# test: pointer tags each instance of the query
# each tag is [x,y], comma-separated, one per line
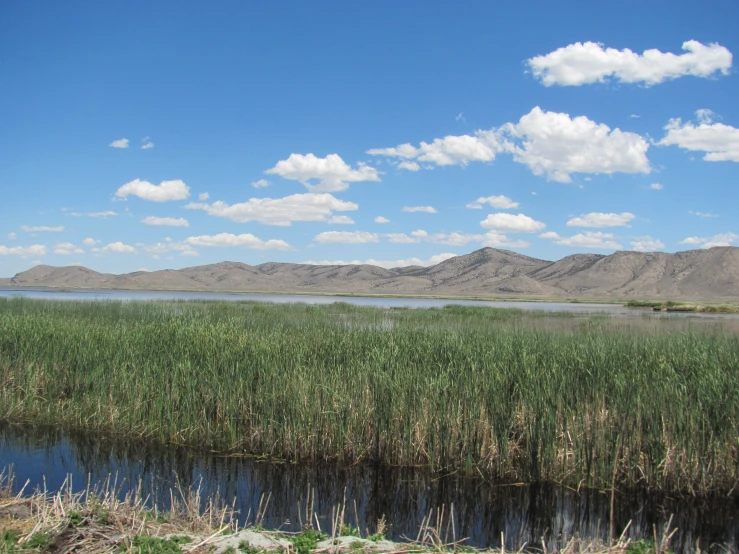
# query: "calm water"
[128,295]
[404,496]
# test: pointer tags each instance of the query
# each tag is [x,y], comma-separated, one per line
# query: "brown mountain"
[711,274]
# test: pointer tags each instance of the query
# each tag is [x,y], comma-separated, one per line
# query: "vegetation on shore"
[670,306]
[498,393]
[101,520]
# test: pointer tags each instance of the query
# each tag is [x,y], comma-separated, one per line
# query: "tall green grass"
[500,393]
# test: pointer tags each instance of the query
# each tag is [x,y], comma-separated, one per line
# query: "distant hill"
[711,274]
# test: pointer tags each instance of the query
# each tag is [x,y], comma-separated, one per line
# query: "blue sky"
[289,131]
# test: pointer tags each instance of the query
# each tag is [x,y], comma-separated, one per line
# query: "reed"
[506,394]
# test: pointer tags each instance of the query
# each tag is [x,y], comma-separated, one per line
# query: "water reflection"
[403,496]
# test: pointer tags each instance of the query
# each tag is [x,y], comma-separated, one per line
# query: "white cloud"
[23,251]
[401,238]
[499,202]
[702,214]
[508,222]
[332,173]
[491,238]
[583,63]
[720,142]
[588,239]
[423,209]
[340,220]
[166,221]
[556,145]
[261,183]
[380,219]
[102,215]
[203,196]
[347,237]
[723,239]
[115,247]
[12,236]
[647,244]
[246,240]
[42,228]
[147,145]
[67,248]
[168,246]
[599,219]
[656,186]
[450,150]
[279,211]
[387,264]
[410,166]
[550,143]
[120,143]
[163,192]
[90,242]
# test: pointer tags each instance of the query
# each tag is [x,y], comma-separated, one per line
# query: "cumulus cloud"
[520,223]
[656,186]
[90,242]
[723,239]
[163,192]
[346,237]
[42,229]
[12,236]
[148,145]
[588,239]
[115,247]
[599,219]
[102,215]
[168,246]
[410,166]
[246,240]
[67,248]
[647,244]
[499,202]
[491,238]
[331,173]
[23,251]
[380,219]
[702,214]
[340,220]
[166,221]
[402,238]
[719,142]
[279,211]
[203,196]
[556,145]
[583,63]
[422,209]
[261,183]
[450,150]
[549,143]
[120,143]
[389,264]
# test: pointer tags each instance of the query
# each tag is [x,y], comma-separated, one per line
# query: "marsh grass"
[498,393]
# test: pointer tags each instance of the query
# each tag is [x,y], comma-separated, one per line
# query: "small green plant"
[377,537]
[246,548]
[39,540]
[356,545]
[229,550]
[8,539]
[76,519]
[641,547]
[151,545]
[307,540]
[348,531]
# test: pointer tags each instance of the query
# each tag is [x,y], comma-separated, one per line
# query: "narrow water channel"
[482,511]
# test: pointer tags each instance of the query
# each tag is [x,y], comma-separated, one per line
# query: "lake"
[379,302]
[482,510]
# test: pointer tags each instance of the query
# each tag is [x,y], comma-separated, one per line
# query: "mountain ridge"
[706,274]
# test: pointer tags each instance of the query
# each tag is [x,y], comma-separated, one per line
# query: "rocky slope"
[711,274]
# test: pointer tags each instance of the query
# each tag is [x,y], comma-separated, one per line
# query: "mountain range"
[707,274]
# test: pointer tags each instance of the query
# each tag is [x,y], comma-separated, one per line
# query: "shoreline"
[97,520]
